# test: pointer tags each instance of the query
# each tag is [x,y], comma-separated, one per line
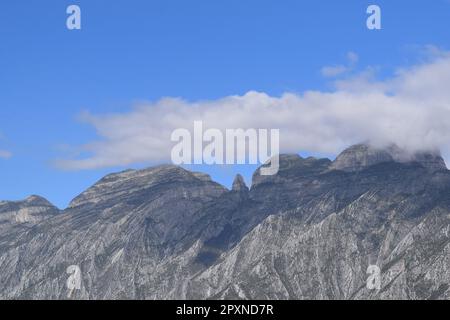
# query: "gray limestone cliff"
[308,232]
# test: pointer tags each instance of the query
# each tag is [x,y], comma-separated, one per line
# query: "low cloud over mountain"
[410,109]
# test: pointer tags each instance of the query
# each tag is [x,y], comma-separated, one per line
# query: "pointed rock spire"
[239,184]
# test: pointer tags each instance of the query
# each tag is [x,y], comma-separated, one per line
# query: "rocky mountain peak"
[32,209]
[37,200]
[360,156]
[239,184]
[135,184]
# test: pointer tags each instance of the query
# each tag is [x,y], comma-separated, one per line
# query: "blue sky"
[140,50]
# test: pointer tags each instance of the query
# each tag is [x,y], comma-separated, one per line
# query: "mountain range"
[309,232]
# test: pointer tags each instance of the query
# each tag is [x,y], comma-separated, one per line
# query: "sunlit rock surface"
[309,232]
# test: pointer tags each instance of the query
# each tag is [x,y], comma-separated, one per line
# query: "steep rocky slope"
[309,232]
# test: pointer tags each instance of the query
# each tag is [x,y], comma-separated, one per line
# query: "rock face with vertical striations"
[309,232]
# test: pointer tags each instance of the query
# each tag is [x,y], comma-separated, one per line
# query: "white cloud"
[5,154]
[333,71]
[352,58]
[336,70]
[411,109]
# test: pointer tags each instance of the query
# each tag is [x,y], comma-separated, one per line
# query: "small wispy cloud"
[337,70]
[5,154]
[333,71]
